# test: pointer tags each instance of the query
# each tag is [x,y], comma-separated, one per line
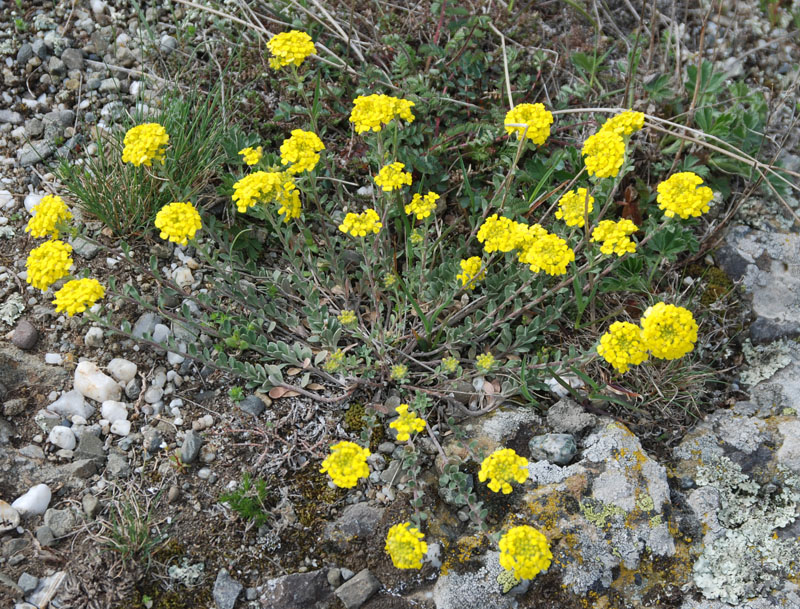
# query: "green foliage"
[236,393]
[132,531]
[250,500]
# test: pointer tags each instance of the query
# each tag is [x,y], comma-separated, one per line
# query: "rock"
[91,447]
[8,116]
[40,48]
[7,582]
[161,333]
[62,437]
[557,448]
[61,522]
[27,583]
[34,152]
[118,466]
[357,521]
[9,517]
[153,394]
[152,441]
[94,384]
[357,591]
[70,404]
[114,411]
[45,536]
[190,448]
[24,54]
[121,427]
[56,67]
[122,370]
[110,85]
[334,577]
[253,405]
[132,389]
[84,248]
[226,590]
[167,44]
[82,468]
[34,128]
[53,359]
[25,335]
[145,324]
[93,338]
[473,588]
[14,407]
[73,59]
[33,502]
[307,590]
[567,416]
[91,505]
[183,277]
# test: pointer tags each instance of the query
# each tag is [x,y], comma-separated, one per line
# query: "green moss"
[715,282]
[354,418]
[599,513]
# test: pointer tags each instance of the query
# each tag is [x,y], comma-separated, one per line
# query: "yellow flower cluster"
[405,546]
[615,236]
[334,361]
[624,123]
[290,48]
[406,423]
[392,177]
[178,222]
[301,150]
[679,194]
[360,225]
[144,144]
[498,234]
[252,156]
[669,332]
[449,364]
[346,464]
[622,346]
[398,372]
[471,272]
[501,468]
[549,253]
[605,153]
[78,295]
[373,112]
[266,186]
[485,362]
[422,206]
[48,263]
[347,318]
[535,116]
[525,552]
[525,236]
[572,205]
[47,214]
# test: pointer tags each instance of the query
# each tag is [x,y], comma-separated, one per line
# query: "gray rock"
[357,591]
[91,505]
[90,447]
[334,577]
[27,583]
[167,44]
[110,85]
[146,324]
[56,67]
[73,59]
[24,54]
[61,522]
[7,582]
[34,152]
[190,448]
[152,441]
[474,588]
[93,338]
[34,128]
[9,116]
[226,590]
[133,388]
[25,335]
[764,331]
[39,48]
[359,520]
[118,465]
[557,448]
[44,535]
[253,405]
[82,468]
[14,407]
[307,590]
[567,416]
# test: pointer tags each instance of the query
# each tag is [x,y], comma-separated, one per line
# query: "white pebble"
[122,370]
[71,403]
[113,411]
[93,338]
[121,428]
[94,384]
[31,201]
[35,501]
[62,437]
[54,359]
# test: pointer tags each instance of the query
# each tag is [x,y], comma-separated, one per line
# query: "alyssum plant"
[384,291]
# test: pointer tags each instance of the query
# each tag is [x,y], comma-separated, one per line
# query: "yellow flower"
[392,176]
[334,361]
[669,332]
[485,362]
[346,464]
[144,144]
[501,468]
[471,272]
[178,222]
[622,346]
[48,263]
[258,187]
[389,279]
[680,195]
[251,156]
[524,236]
[422,206]
[416,237]
[615,236]
[347,318]
[290,48]
[498,234]
[301,151]
[605,153]
[535,116]
[289,201]
[525,552]
[572,205]
[624,123]
[398,372]
[78,295]
[373,112]
[449,364]
[47,214]
[405,546]
[549,253]
[406,423]
[360,225]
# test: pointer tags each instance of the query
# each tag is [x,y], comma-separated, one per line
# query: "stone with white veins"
[114,411]
[94,384]
[121,369]
[62,437]
[35,501]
